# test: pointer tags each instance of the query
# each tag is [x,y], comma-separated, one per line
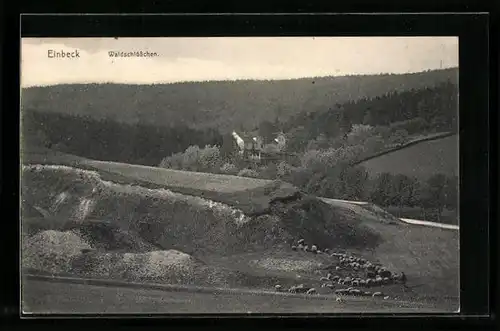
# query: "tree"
[403,190]
[400,136]
[382,189]
[195,158]
[320,142]
[355,179]
[210,158]
[229,169]
[359,133]
[267,131]
[437,192]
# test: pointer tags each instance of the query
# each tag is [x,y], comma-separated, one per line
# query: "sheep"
[326,250]
[278,288]
[355,292]
[362,282]
[367,293]
[386,280]
[314,248]
[337,268]
[294,248]
[312,291]
[300,246]
[377,294]
[301,241]
[299,289]
[386,297]
[369,282]
[330,286]
[306,248]
[370,274]
[401,278]
[324,279]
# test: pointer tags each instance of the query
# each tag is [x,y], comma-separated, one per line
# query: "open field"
[421,160]
[42,297]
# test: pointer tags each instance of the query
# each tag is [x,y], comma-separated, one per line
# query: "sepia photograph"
[214,175]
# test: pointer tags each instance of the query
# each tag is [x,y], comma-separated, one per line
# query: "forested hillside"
[224,105]
[109,140]
[431,109]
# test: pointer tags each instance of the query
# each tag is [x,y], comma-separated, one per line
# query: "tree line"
[109,140]
[432,109]
[225,105]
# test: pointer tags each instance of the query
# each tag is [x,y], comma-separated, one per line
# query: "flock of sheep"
[375,275]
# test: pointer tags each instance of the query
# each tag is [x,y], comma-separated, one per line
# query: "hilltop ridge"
[224,105]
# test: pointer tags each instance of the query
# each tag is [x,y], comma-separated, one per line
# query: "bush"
[194,159]
[229,169]
[248,173]
[283,169]
[359,134]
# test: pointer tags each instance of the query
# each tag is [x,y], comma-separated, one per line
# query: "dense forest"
[225,105]
[413,112]
[109,140]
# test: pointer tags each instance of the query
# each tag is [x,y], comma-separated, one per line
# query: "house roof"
[246,136]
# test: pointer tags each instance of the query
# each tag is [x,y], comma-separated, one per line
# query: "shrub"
[194,159]
[283,169]
[229,169]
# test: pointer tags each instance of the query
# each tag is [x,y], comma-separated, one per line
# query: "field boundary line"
[406,145]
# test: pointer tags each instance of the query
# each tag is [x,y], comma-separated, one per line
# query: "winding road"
[406,220]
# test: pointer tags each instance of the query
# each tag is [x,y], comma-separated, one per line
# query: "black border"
[472,30]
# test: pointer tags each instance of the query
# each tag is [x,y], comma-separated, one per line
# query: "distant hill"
[222,104]
[420,159]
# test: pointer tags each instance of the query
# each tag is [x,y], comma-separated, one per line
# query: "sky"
[224,58]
